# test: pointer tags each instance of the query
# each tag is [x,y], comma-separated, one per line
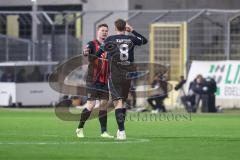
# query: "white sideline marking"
[44,135]
[129,140]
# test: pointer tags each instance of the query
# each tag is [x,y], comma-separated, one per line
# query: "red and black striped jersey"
[98,65]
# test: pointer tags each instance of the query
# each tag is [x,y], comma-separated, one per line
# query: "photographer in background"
[182,81]
[200,89]
[180,87]
[197,88]
[157,101]
[208,96]
[187,99]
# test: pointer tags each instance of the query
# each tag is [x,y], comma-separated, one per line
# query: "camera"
[180,84]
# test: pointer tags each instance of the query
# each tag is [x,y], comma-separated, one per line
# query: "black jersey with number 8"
[120,54]
[124,46]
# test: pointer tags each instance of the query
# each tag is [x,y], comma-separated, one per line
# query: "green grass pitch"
[32,134]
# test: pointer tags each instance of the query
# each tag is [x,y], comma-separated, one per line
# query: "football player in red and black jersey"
[96,82]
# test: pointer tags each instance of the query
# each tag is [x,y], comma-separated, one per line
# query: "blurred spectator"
[36,75]
[132,92]
[7,76]
[180,87]
[157,100]
[189,99]
[208,97]
[197,87]
[131,102]
[200,89]
[21,75]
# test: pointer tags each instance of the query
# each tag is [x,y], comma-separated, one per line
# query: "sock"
[120,118]
[103,120]
[84,116]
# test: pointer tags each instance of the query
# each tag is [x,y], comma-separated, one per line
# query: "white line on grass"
[129,140]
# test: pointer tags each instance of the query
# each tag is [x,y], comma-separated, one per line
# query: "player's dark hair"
[120,24]
[102,25]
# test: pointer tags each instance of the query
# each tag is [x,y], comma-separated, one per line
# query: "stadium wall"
[184,4]
[135,4]
[226,75]
[40,2]
[91,20]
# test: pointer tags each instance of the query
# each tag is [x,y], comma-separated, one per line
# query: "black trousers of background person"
[189,102]
[208,103]
[159,102]
[192,103]
[134,98]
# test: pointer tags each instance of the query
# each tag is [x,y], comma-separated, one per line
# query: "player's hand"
[129,28]
[86,51]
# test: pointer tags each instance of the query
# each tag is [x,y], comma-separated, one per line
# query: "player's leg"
[84,117]
[86,112]
[119,93]
[120,116]
[103,118]
[150,101]
[124,91]
[160,103]
[115,89]
[102,115]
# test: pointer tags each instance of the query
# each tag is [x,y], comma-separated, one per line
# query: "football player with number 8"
[120,61]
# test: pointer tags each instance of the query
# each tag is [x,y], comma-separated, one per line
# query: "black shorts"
[96,91]
[119,83]
[119,89]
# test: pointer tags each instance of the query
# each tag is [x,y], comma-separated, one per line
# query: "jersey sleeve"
[138,39]
[91,46]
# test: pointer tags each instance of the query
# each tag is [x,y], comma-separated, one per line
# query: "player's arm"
[89,51]
[109,45]
[138,39]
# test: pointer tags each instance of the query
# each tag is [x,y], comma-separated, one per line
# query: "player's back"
[124,48]
[121,54]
